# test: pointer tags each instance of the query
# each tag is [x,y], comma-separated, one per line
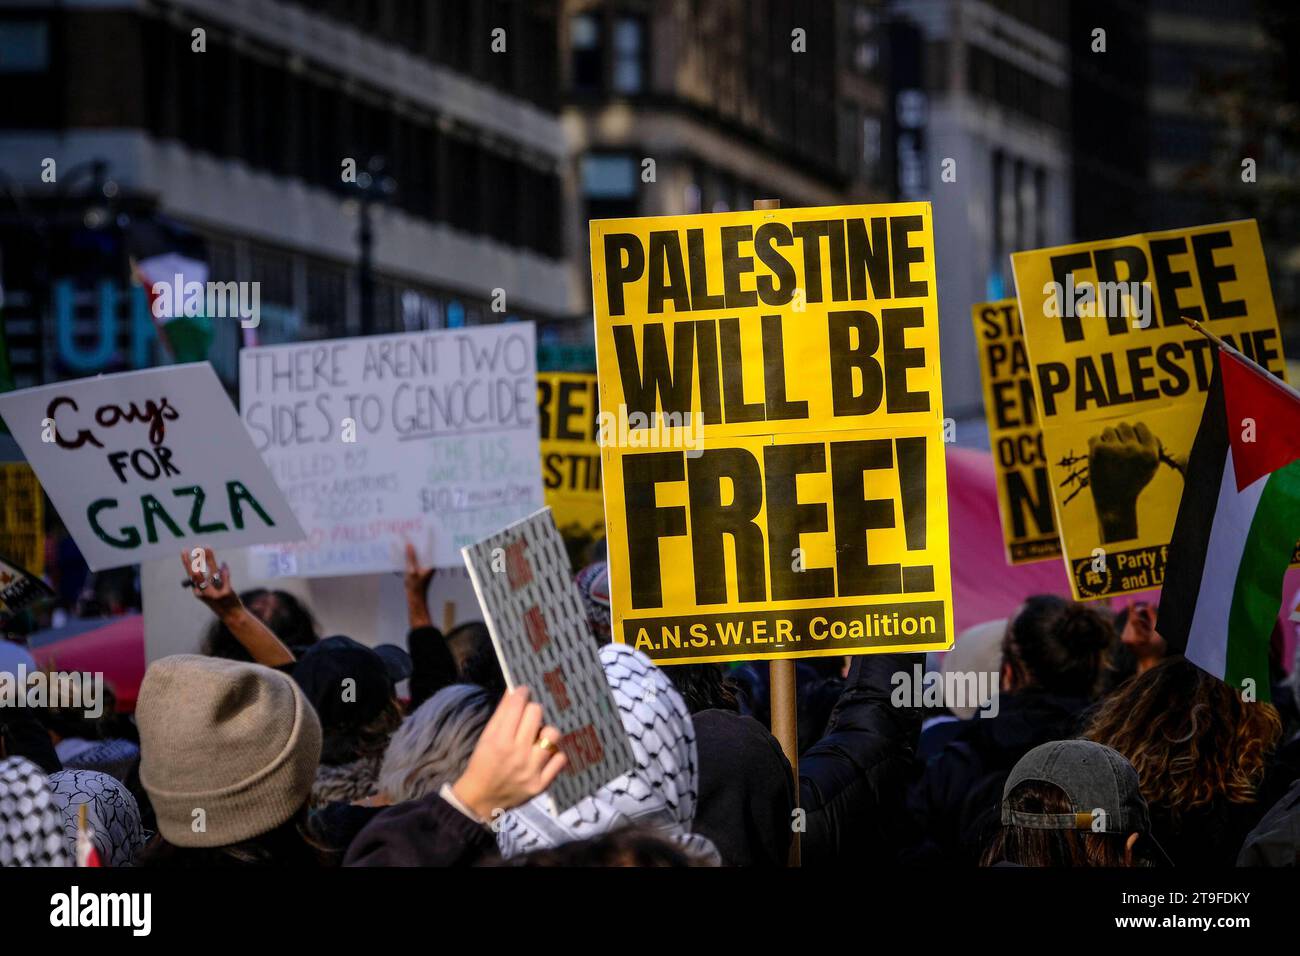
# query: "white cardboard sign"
[143,464]
[428,437]
[539,628]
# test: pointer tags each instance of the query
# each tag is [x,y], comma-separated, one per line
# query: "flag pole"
[1245,359]
[782,685]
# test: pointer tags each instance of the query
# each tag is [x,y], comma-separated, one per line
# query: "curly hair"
[1191,737]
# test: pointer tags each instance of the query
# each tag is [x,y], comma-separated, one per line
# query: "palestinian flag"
[167,259]
[1237,526]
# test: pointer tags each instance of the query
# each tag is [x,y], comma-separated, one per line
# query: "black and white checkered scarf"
[659,793]
[31,826]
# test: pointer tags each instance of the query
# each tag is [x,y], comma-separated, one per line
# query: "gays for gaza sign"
[427,437]
[771,432]
[1120,381]
[142,464]
[1024,494]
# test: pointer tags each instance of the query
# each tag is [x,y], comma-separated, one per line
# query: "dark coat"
[424,832]
[746,790]
[1275,841]
[956,803]
[853,782]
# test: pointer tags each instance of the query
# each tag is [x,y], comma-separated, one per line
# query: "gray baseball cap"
[1099,782]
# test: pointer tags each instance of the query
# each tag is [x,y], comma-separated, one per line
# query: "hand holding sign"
[542,637]
[515,759]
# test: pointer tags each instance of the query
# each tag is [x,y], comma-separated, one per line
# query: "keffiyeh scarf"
[31,828]
[659,793]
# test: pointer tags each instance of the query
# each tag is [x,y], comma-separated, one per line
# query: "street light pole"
[372,186]
[366,268]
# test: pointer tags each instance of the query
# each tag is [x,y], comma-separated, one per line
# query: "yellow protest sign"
[1120,380]
[1024,493]
[772,432]
[568,406]
[22,518]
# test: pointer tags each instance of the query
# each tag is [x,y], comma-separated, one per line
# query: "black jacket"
[424,832]
[853,782]
[1276,839]
[746,791]
[956,802]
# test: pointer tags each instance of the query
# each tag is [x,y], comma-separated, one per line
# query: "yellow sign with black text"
[772,432]
[1024,494]
[568,413]
[1120,381]
[22,518]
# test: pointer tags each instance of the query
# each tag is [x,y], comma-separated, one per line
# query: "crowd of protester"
[280,746]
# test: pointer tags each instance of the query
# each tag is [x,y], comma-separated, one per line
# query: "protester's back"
[1051,664]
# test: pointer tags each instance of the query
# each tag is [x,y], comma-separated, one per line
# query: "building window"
[871,136]
[327,300]
[608,177]
[629,55]
[588,61]
[24,46]
[609,185]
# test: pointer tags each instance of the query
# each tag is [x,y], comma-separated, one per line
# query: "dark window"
[609,185]
[629,55]
[587,53]
[24,46]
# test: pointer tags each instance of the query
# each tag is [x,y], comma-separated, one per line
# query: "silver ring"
[216,580]
[201,585]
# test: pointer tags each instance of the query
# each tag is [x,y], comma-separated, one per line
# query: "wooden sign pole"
[781,681]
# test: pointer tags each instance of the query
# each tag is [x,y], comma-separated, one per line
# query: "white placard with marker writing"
[142,464]
[428,437]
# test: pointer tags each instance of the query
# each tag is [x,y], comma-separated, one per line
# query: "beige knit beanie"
[237,741]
